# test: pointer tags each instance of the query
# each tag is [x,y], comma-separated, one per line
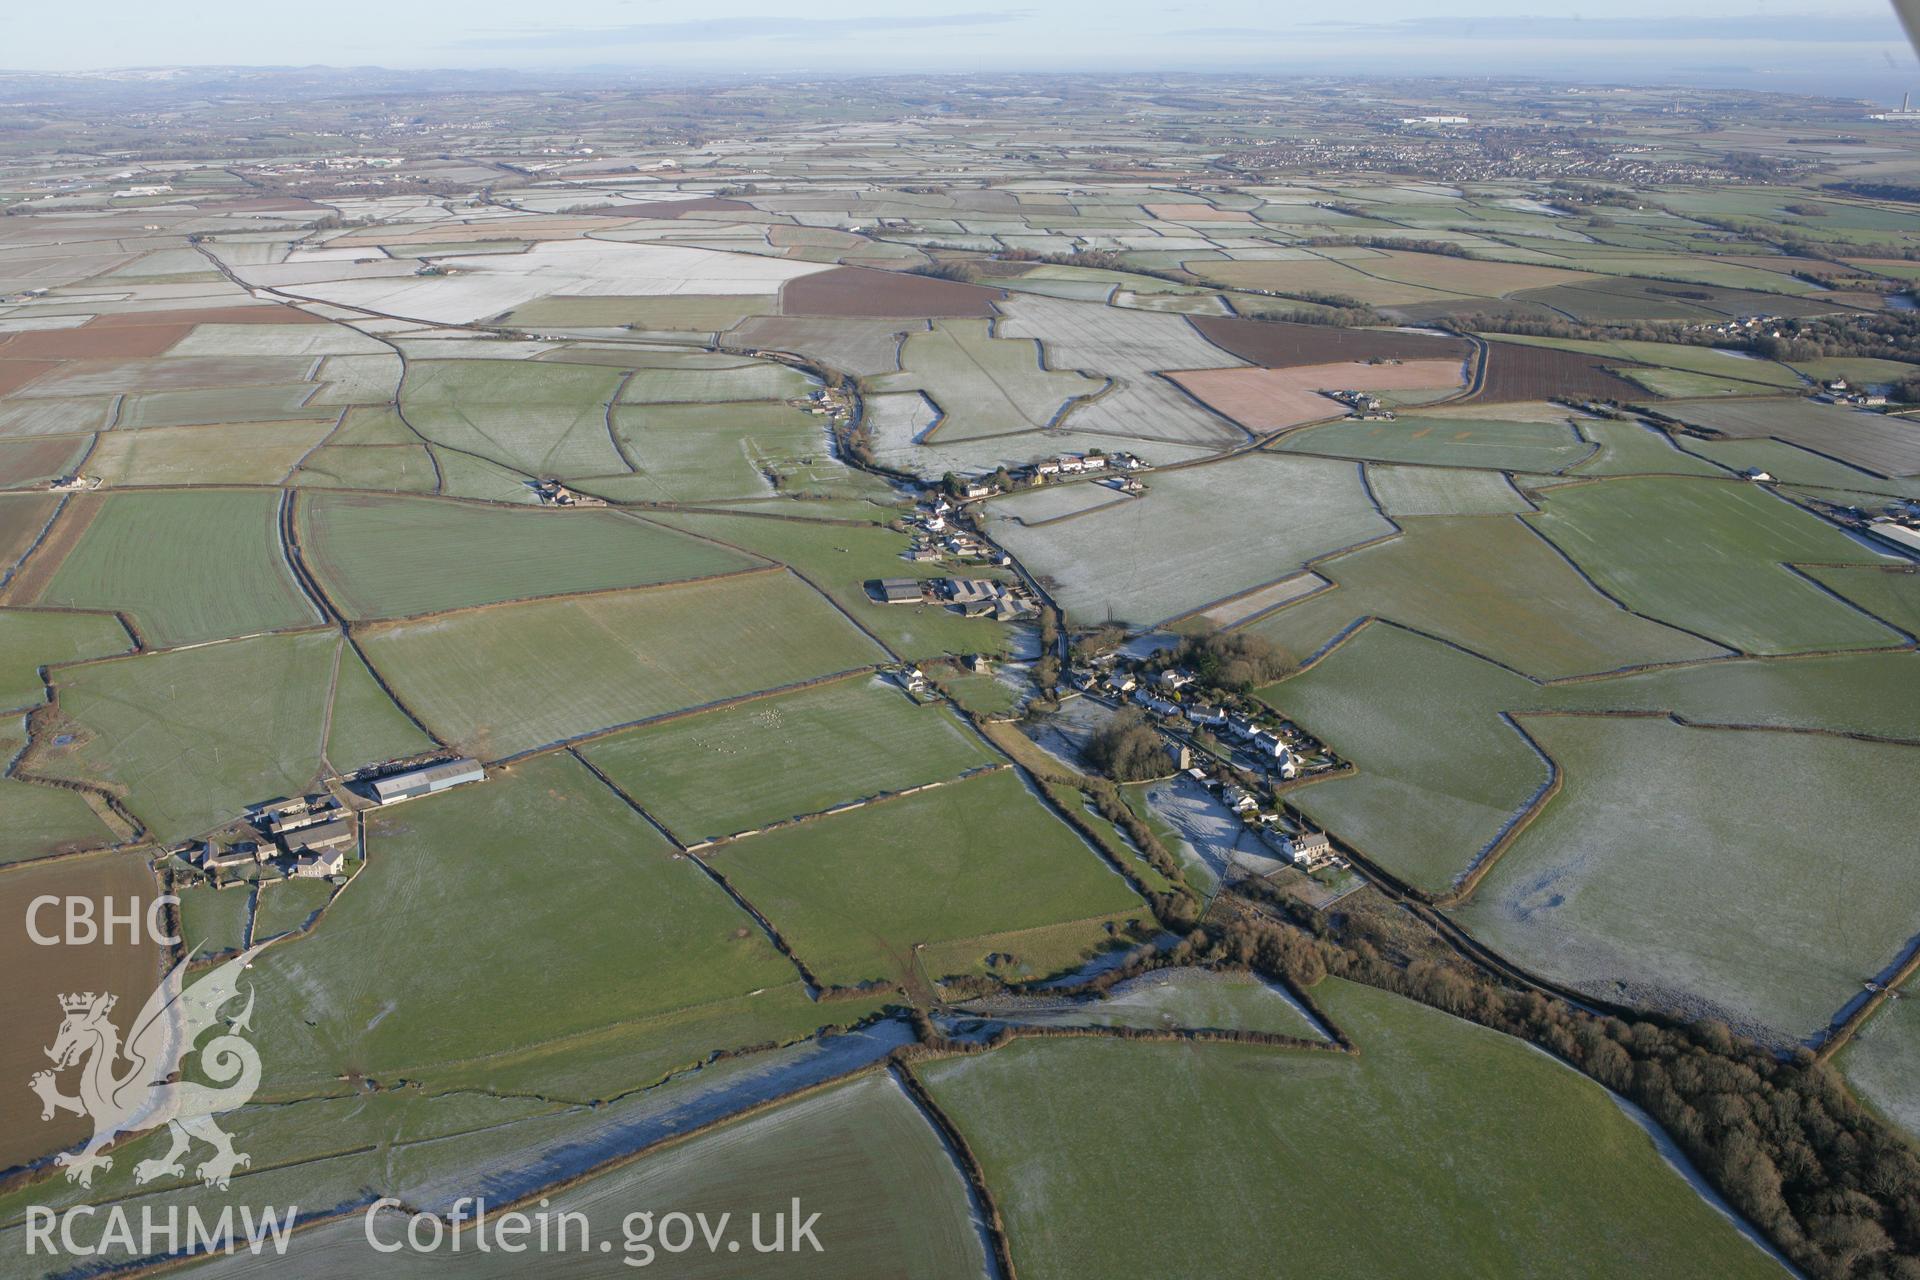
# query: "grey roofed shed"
[425,781]
[327,835]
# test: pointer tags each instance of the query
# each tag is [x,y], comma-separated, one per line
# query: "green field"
[1877,442]
[237,453]
[1892,593]
[890,1198]
[214,920]
[840,559]
[471,895]
[31,639]
[1791,464]
[706,378]
[1878,1061]
[1872,693]
[1681,383]
[1860,372]
[1173,999]
[394,557]
[538,418]
[395,468]
[489,680]
[1708,557]
[1494,444]
[1635,449]
[759,762]
[42,820]
[287,905]
[1446,1142]
[1440,774]
[1488,584]
[1442,491]
[983,385]
[186,566]
[188,739]
[463,475]
[952,870]
[1767,906]
[691,452]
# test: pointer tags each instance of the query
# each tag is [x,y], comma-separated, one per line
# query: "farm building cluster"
[311,836]
[969,597]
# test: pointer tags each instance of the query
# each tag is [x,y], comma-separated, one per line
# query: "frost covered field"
[1199,534]
[483,285]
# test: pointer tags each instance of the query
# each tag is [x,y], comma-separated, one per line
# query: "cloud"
[1858,26]
[727,30]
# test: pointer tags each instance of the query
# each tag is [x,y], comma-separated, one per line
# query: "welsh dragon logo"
[137,1085]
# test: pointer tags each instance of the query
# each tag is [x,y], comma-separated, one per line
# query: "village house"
[1173,679]
[318,866]
[1239,799]
[1159,706]
[1202,714]
[1309,850]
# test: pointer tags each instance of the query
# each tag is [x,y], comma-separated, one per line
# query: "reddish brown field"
[862,291]
[38,569]
[134,334]
[37,976]
[15,374]
[1515,372]
[93,342]
[674,208]
[22,517]
[33,458]
[1268,399]
[1278,344]
[272,313]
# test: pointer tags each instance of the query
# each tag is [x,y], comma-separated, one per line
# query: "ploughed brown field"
[24,460]
[39,975]
[1278,344]
[22,517]
[139,334]
[1515,372]
[862,291]
[15,374]
[269,314]
[1268,399]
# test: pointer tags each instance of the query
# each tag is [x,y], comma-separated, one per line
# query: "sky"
[1842,47]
